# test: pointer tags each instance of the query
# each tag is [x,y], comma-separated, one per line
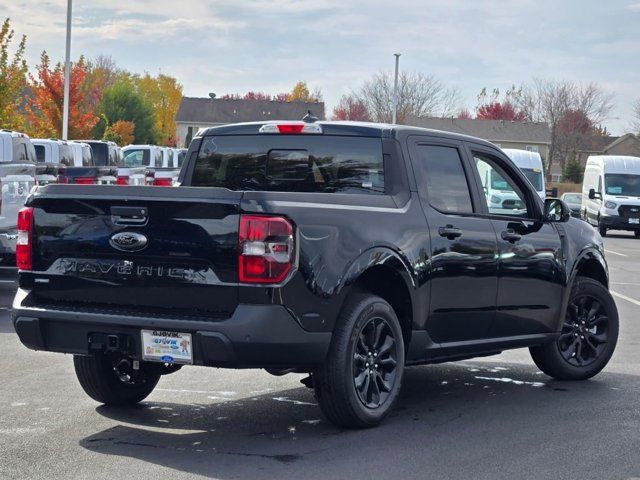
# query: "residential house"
[531,136]
[196,113]
[628,144]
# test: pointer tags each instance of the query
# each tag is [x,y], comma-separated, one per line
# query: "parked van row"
[150,165]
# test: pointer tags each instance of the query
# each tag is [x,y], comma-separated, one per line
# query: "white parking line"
[624,283]
[615,253]
[624,297]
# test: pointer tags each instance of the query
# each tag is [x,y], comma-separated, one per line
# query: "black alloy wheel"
[584,332]
[588,335]
[375,362]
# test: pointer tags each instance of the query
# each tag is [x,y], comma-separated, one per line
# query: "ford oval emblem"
[128,241]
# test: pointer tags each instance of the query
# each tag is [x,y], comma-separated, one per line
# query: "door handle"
[450,232]
[510,236]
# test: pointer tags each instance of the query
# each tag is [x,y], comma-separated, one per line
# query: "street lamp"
[67,75]
[395,89]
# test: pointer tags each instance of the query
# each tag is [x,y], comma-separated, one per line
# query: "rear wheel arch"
[389,280]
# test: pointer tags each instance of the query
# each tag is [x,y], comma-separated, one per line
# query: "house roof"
[492,130]
[219,111]
[596,143]
[624,138]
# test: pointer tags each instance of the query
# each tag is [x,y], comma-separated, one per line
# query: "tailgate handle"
[129,215]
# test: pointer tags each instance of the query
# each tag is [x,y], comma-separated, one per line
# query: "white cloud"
[239,45]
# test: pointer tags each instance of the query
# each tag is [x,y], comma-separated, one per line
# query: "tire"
[636,233]
[99,380]
[367,322]
[600,330]
[602,229]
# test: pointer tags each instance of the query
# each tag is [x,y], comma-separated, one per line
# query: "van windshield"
[534,175]
[499,183]
[622,184]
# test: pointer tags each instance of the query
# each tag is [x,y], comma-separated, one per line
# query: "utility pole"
[395,89]
[67,75]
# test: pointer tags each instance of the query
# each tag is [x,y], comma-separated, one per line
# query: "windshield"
[499,183]
[622,184]
[572,197]
[136,157]
[534,175]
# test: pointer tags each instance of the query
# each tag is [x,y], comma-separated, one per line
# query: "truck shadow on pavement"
[454,418]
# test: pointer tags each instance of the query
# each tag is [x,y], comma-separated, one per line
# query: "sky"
[233,46]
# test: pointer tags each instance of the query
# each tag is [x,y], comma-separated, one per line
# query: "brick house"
[196,113]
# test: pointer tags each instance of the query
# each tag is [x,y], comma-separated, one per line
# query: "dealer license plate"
[634,220]
[166,346]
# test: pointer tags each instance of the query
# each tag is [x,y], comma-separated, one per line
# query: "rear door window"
[305,163]
[441,175]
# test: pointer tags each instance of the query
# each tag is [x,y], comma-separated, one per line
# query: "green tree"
[122,101]
[573,171]
[13,79]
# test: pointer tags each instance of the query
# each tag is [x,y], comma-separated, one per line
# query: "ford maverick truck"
[348,251]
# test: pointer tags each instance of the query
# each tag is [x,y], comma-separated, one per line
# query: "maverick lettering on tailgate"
[117,268]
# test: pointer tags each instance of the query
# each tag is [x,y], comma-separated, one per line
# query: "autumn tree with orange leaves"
[44,108]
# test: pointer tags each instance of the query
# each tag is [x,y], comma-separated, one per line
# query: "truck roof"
[345,128]
[616,163]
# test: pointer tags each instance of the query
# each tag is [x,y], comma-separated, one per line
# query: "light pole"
[395,89]
[67,75]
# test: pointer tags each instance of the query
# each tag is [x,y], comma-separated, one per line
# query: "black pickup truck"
[343,250]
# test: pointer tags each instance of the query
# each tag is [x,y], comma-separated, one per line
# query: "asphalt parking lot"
[496,417]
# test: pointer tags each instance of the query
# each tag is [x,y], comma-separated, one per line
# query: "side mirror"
[594,195]
[555,210]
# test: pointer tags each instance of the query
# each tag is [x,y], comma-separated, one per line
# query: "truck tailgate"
[136,249]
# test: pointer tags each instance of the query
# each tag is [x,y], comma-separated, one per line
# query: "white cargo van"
[531,165]
[611,193]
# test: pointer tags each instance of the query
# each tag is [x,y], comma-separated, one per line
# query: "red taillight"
[266,249]
[162,182]
[23,245]
[84,180]
[122,180]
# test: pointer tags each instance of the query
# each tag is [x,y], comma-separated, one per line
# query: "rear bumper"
[617,222]
[254,336]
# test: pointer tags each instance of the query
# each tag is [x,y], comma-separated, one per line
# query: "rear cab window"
[137,157]
[291,163]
